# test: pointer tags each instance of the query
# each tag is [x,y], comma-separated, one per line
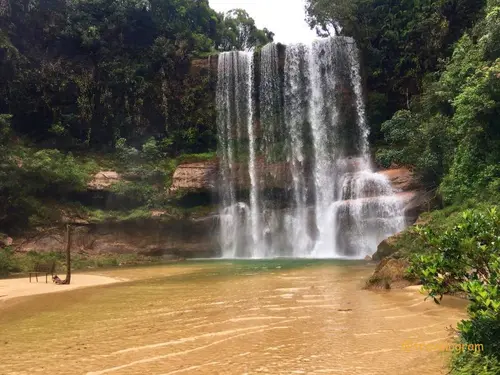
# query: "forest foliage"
[81,78]
[82,74]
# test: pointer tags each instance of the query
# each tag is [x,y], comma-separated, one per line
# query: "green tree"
[452,133]
[238,32]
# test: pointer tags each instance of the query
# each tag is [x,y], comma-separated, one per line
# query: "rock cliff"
[157,236]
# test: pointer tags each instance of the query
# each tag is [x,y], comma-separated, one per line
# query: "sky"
[283,17]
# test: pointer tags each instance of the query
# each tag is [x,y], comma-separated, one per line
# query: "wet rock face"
[372,185]
[416,199]
[203,176]
[365,195]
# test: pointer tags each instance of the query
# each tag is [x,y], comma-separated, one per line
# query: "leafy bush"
[6,261]
[467,259]
[125,152]
[11,262]
[130,194]
[472,363]
[51,170]
[150,149]
[29,177]
[194,158]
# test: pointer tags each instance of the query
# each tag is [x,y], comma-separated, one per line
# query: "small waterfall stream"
[295,173]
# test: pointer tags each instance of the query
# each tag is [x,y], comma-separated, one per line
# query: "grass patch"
[102,216]
[196,158]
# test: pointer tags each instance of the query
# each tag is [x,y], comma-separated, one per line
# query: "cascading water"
[234,121]
[296,100]
[295,172]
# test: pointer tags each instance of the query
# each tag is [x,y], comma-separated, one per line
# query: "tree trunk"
[68,255]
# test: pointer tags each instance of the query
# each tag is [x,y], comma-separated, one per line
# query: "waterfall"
[271,109]
[296,99]
[296,178]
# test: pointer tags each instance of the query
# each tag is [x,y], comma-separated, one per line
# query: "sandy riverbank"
[12,288]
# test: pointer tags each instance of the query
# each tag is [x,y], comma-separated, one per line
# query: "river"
[227,317]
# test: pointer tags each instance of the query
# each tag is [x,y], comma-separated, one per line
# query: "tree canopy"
[84,73]
[238,31]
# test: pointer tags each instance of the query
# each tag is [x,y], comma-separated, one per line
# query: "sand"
[12,288]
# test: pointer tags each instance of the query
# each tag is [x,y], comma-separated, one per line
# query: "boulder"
[386,248]
[392,268]
[390,274]
[420,202]
[401,179]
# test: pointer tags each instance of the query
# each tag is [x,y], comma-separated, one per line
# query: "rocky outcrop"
[391,271]
[209,63]
[402,179]
[386,248]
[195,177]
[186,238]
[416,199]
[202,176]
[390,274]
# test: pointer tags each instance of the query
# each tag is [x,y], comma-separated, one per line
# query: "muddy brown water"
[227,318]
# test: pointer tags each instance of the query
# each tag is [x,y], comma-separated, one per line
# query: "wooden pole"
[68,254]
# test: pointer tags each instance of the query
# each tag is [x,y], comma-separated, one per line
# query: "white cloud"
[283,17]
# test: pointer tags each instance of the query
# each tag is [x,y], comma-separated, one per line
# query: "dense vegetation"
[465,258]
[401,43]
[96,84]
[85,73]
